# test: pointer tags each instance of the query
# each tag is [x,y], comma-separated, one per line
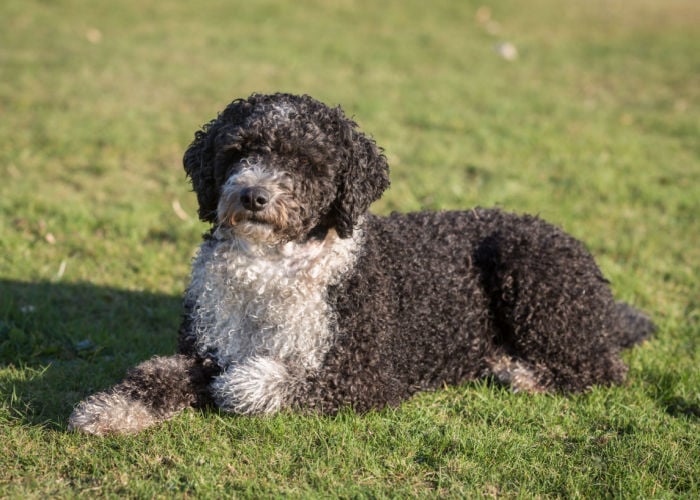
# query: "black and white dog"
[301,299]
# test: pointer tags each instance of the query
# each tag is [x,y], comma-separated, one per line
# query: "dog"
[300,299]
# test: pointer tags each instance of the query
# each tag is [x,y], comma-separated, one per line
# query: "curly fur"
[300,298]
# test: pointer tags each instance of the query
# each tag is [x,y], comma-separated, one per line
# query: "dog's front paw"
[110,413]
[258,386]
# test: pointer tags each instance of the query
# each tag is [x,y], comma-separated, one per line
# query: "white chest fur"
[270,304]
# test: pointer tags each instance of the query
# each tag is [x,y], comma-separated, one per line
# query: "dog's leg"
[519,375]
[260,385]
[152,392]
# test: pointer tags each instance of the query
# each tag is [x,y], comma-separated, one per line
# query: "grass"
[594,126]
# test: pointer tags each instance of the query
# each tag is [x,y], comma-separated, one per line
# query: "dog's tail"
[632,325]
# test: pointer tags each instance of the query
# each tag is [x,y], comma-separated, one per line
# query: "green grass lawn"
[595,125]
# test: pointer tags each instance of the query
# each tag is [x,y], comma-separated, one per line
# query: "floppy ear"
[220,136]
[363,180]
[199,166]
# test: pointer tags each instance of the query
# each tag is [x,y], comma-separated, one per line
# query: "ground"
[582,112]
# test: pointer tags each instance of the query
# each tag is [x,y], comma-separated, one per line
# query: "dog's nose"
[255,199]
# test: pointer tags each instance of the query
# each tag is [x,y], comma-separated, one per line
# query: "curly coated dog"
[302,299]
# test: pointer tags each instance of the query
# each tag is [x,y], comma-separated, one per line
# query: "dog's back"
[439,298]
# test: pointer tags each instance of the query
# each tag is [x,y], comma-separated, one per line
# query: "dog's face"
[270,198]
[276,168]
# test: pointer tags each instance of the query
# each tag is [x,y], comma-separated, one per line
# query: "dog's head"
[276,168]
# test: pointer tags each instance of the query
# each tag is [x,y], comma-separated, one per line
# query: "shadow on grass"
[60,342]
[663,388]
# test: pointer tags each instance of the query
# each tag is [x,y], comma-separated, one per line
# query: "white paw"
[110,413]
[257,386]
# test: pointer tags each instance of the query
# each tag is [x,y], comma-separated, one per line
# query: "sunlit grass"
[593,126]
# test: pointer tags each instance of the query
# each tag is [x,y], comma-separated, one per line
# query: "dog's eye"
[286,182]
[318,169]
[233,169]
[239,164]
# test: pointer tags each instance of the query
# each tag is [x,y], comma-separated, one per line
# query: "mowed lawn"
[586,113]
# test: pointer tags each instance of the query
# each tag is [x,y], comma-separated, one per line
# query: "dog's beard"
[270,226]
[281,219]
[253,227]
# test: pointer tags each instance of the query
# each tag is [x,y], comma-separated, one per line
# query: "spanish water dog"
[300,299]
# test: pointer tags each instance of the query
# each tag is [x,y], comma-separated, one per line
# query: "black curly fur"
[470,286]
[338,171]
[433,298]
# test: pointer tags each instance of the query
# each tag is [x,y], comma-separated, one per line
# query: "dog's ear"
[221,136]
[199,166]
[216,142]
[363,179]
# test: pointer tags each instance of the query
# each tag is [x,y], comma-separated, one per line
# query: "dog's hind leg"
[152,392]
[519,375]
